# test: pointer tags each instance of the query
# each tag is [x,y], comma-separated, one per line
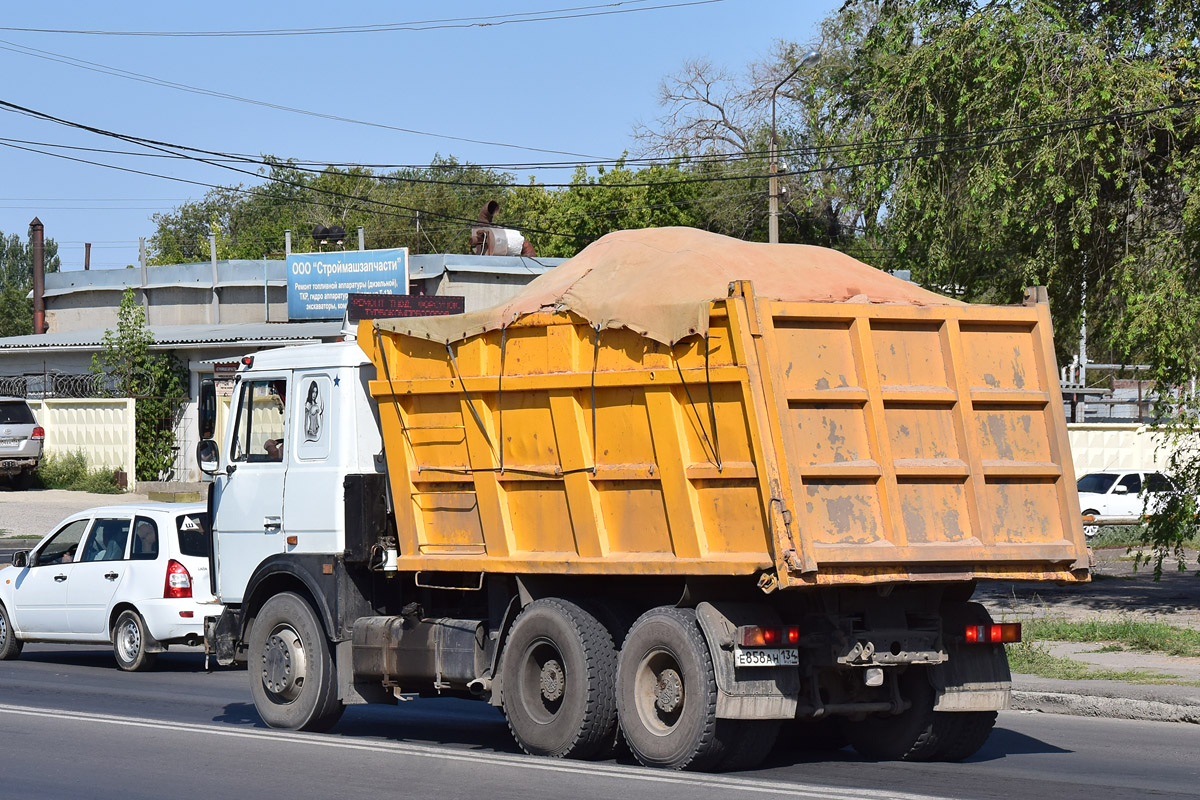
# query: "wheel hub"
[668,692]
[283,664]
[131,641]
[552,680]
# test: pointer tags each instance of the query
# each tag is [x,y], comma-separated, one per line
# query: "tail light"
[1001,633]
[179,580]
[758,636]
[39,434]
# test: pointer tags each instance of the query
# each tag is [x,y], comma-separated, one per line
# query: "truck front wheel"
[292,677]
[557,681]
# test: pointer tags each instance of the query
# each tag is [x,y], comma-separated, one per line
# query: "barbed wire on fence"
[55,384]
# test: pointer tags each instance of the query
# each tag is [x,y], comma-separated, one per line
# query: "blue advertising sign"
[317,283]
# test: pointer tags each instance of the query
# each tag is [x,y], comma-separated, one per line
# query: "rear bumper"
[165,619]
[12,465]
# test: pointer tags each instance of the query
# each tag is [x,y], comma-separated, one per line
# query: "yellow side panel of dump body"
[801,444]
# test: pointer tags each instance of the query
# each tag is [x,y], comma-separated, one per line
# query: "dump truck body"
[714,517]
[810,444]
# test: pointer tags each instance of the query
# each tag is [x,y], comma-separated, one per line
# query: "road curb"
[1083,705]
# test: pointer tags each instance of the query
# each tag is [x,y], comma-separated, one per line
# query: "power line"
[491,21]
[104,69]
[293,184]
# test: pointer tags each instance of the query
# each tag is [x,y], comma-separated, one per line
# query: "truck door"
[315,468]
[249,501]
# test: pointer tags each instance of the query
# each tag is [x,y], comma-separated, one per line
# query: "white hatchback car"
[1120,493]
[135,576]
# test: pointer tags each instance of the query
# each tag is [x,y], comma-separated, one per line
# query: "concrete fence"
[103,428]
[1117,446]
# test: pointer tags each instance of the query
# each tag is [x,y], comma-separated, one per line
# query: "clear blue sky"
[576,85]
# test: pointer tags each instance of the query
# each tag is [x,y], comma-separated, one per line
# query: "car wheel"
[10,645]
[291,668]
[1091,530]
[129,643]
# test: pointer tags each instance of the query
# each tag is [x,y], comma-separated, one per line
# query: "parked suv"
[21,441]
[135,576]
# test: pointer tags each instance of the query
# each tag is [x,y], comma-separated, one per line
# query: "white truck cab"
[301,421]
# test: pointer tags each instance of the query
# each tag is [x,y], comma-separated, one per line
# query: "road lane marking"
[748,785]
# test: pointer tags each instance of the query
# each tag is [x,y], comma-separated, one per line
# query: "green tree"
[156,381]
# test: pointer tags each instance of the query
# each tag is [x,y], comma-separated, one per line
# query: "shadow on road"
[98,658]
[440,720]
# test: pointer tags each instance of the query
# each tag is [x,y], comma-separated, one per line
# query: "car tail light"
[1001,633]
[758,636]
[39,434]
[179,580]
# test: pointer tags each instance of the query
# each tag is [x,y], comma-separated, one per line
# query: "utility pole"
[810,58]
[215,307]
[287,243]
[362,238]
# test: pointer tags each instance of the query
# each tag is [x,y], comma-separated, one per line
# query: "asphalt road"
[73,726]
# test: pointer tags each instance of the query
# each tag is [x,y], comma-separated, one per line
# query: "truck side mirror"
[1120,488]
[20,558]
[208,456]
[206,409]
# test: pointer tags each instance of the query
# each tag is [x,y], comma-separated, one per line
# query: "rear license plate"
[765,657]
[9,442]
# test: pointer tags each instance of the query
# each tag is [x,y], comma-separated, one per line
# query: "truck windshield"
[1096,483]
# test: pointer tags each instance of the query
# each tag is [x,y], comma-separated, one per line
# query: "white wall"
[1099,446]
[103,428]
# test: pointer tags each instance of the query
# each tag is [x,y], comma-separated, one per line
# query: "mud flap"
[976,676]
[746,692]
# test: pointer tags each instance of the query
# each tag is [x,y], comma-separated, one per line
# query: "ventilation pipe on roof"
[489,240]
[37,232]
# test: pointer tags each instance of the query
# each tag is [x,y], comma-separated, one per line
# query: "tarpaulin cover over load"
[660,283]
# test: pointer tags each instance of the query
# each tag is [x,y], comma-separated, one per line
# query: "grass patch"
[1130,634]
[71,472]
[1032,658]
[1128,536]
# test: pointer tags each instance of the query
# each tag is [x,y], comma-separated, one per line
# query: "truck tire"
[751,741]
[907,736]
[129,639]
[961,734]
[811,736]
[667,695]
[557,681]
[10,645]
[292,676]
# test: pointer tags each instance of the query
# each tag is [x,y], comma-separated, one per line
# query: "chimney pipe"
[37,232]
[87,256]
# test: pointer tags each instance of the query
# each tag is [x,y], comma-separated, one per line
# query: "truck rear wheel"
[557,681]
[292,676]
[667,696]
[911,735]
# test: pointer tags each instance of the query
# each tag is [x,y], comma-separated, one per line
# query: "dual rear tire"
[564,689]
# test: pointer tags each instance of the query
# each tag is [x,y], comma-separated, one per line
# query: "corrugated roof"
[172,336]
[249,272]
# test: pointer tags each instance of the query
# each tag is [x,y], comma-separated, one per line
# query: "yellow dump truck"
[711,494]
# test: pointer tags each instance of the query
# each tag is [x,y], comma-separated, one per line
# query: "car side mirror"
[1120,489]
[208,456]
[20,558]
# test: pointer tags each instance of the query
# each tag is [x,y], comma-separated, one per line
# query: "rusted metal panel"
[803,443]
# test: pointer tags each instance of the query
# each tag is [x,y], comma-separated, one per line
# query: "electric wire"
[494,20]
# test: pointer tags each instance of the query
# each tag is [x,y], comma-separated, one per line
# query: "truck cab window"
[259,433]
